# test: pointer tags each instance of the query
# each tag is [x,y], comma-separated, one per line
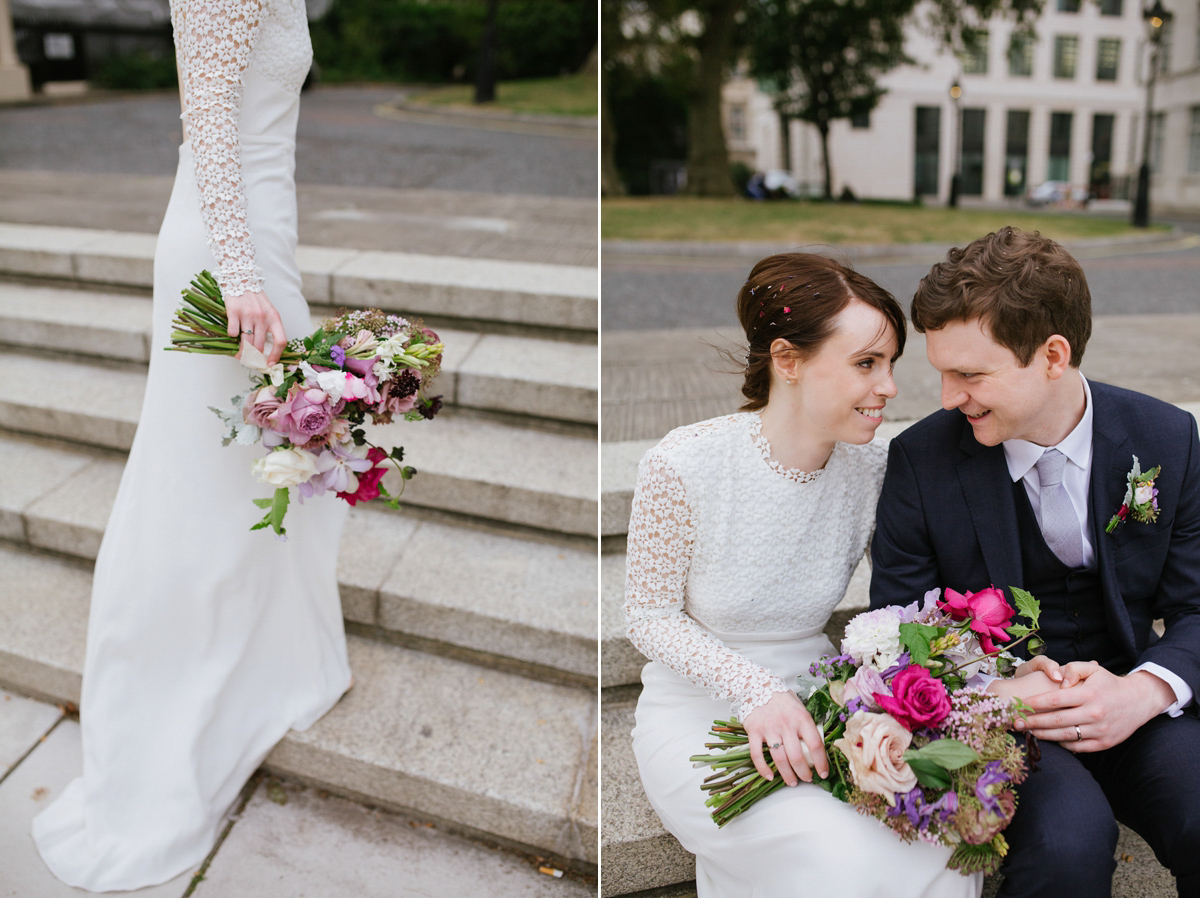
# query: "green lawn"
[692,218]
[566,95]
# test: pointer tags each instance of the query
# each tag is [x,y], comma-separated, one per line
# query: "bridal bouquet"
[308,409]
[911,736]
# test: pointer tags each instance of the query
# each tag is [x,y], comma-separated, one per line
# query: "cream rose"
[1143,494]
[874,744]
[286,467]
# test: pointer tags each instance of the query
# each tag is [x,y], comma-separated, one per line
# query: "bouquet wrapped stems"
[202,323]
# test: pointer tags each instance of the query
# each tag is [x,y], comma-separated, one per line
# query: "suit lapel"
[987,488]
[1112,458]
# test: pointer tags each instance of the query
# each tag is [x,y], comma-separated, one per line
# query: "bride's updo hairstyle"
[797,297]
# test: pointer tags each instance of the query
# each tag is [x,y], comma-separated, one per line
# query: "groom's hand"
[1107,709]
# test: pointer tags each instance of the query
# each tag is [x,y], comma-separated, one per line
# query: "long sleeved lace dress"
[206,641]
[734,565]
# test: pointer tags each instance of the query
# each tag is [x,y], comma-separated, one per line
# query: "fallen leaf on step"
[39,793]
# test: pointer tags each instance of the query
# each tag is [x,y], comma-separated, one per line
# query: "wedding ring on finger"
[775,745]
[1078,733]
[251,332]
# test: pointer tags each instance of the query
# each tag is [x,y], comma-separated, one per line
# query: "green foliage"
[917,638]
[932,763]
[985,858]
[136,71]
[438,40]
[276,509]
[1027,606]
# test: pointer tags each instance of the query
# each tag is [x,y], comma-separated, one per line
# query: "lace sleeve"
[659,552]
[213,39]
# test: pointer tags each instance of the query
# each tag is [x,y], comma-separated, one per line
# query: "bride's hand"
[253,316]
[785,725]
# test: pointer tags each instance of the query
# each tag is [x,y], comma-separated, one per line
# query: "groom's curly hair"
[1024,287]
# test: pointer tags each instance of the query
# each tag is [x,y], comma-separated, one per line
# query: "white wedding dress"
[734,565]
[206,641]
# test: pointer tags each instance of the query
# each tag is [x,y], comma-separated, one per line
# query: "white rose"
[873,638]
[286,467]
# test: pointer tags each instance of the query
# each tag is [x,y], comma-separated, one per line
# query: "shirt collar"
[1022,455]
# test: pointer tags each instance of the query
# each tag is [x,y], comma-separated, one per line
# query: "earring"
[790,381]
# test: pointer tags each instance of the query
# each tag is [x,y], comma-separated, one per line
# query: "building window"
[1066,53]
[861,120]
[1016,151]
[975,55]
[1068,5]
[1164,51]
[1060,146]
[1111,8]
[928,142]
[1108,58]
[1020,56]
[737,122]
[1194,142]
[973,121]
[1158,126]
[1100,174]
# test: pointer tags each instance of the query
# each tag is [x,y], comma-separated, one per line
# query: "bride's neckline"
[764,447]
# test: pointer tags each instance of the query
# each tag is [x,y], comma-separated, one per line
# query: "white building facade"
[1067,106]
[1175,152]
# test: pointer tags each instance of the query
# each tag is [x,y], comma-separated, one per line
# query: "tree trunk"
[708,156]
[485,75]
[823,128]
[610,178]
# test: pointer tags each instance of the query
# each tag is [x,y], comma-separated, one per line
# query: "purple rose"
[304,417]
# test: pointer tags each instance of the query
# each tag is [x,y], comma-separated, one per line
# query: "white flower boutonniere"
[1141,497]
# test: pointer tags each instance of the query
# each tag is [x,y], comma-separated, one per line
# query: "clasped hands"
[1083,706]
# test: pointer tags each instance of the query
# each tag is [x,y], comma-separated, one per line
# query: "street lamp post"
[956,178]
[1156,18]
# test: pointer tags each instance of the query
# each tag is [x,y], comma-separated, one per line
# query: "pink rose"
[368,481]
[988,611]
[304,416]
[918,698]
[874,744]
[260,406]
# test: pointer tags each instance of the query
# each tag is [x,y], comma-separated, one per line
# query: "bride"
[206,642]
[744,533]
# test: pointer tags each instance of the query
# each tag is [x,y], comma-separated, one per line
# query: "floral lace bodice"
[723,539]
[215,42]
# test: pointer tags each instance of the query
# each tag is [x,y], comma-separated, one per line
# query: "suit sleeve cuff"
[1183,692]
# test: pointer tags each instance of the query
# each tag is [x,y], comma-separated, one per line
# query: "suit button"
[1074,612]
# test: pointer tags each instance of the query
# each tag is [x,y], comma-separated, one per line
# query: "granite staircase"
[474,704]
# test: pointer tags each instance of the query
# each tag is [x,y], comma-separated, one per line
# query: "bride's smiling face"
[841,391]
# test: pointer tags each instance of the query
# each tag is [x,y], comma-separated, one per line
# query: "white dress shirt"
[1021,457]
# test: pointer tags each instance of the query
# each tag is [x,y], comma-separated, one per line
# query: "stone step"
[489,753]
[522,295]
[479,467]
[495,372]
[522,603]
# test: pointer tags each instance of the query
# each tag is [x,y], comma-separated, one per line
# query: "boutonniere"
[1141,498]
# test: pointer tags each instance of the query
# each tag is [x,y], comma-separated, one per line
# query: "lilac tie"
[1060,525]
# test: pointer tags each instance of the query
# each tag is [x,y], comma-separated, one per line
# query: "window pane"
[975,57]
[1016,151]
[1020,56]
[928,139]
[1068,5]
[1194,142]
[1110,7]
[1066,52]
[1100,175]
[973,121]
[860,120]
[1156,141]
[1108,58]
[1060,146]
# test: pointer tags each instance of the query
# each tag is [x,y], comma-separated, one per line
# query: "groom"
[1013,484]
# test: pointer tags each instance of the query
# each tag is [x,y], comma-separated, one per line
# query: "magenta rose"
[260,406]
[304,416]
[988,610]
[918,698]
[368,481]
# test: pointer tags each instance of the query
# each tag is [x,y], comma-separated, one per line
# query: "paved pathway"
[286,840]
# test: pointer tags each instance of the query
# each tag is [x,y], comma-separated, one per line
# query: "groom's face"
[984,381]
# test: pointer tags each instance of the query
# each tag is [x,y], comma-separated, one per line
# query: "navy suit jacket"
[947,517]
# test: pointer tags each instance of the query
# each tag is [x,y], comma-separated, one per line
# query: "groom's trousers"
[1064,835]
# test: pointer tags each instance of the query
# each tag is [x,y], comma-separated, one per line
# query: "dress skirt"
[797,841]
[206,642]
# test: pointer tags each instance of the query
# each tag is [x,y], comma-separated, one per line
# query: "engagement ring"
[1078,734]
[776,745]
[251,331]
